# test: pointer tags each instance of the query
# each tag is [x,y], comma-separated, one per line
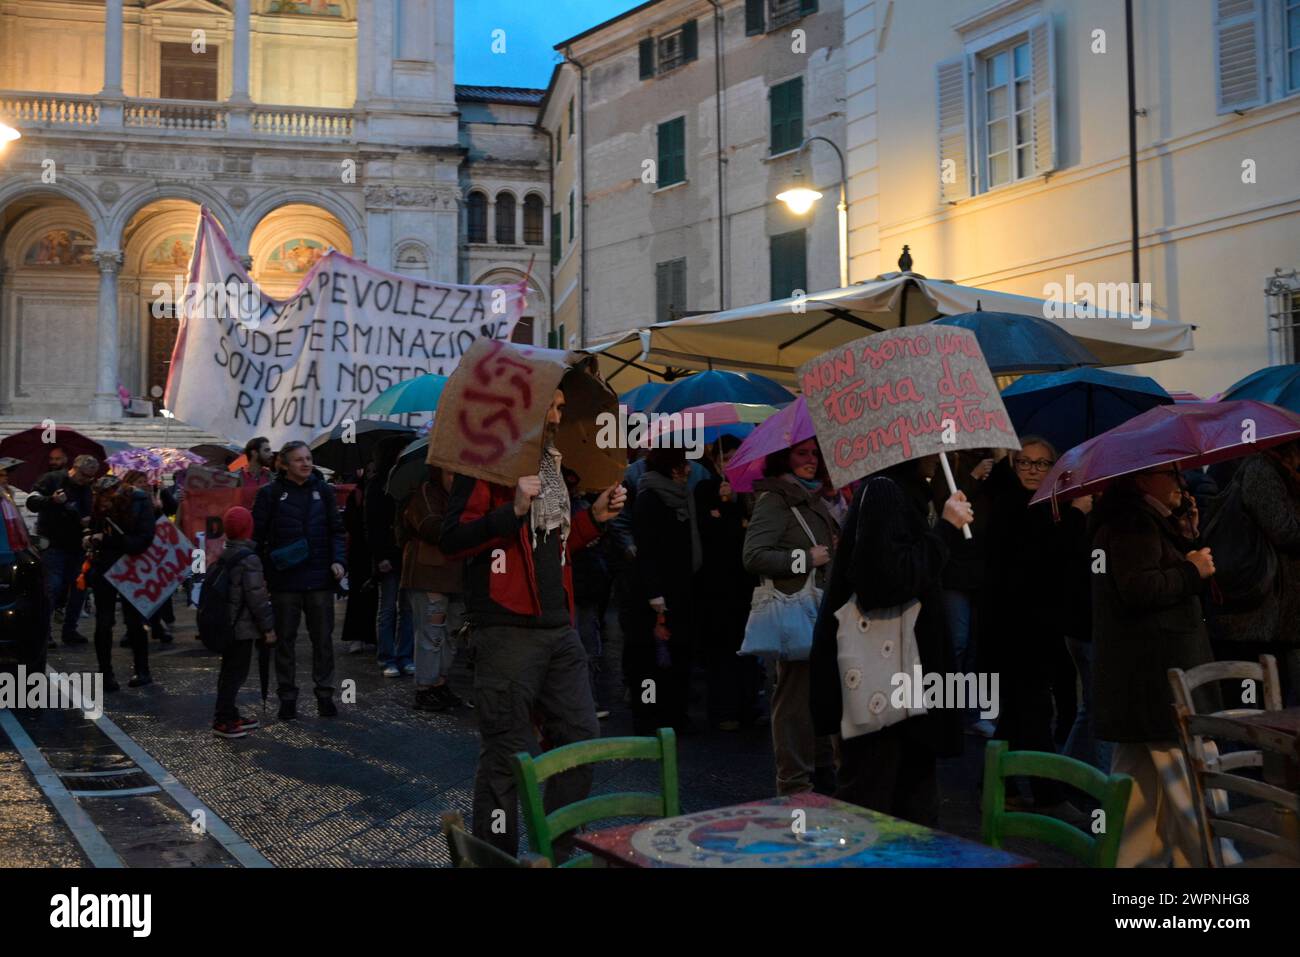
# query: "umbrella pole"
[952,487]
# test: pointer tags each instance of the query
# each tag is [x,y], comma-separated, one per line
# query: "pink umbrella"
[1185,435]
[711,415]
[787,428]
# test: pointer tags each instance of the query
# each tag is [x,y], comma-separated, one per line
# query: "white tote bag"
[873,648]
[780,626]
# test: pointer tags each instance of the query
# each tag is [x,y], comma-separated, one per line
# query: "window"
[1283,292]
[572,218]
[670,290]
[523,331]
[572,128]
[1292,41]
[476,213]
[669,51]
[789,264]
[559,145]
[997,112]
[785,102]
[505,219]
[764,15]
[557,236]
[672,152]
[1256,52]
[1006,111]
[534,219]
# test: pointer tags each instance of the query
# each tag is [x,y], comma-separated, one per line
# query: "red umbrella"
[1185,435]
[29,445]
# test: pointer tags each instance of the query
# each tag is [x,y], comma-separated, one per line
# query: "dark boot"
[326,708]
[288,710]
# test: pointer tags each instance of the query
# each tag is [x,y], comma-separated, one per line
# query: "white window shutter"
[1042,71]
[1238,54]
[953,94]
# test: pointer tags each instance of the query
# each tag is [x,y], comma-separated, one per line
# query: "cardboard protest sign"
[199,477]
[902,395]
[247,364]
[145,580]
[492,415]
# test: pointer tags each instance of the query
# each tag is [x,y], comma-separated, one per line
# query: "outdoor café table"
[1276,769]
[773,833]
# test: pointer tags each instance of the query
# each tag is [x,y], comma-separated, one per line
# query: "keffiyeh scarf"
[550,509]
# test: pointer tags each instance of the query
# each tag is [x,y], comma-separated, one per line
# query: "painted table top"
[1287,720]
[804,830]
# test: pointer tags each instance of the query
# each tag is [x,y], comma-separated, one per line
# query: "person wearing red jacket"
[528,655]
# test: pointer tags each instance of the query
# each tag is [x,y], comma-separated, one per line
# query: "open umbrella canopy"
[1013,343]
[420,394]
[715,386]
[29,445]
[217,455]
[1185,436]
[1278,385]
[786,428]
[411,469]
[1068,408]
[775,338]
[715,419]
[637,399]
[331,451]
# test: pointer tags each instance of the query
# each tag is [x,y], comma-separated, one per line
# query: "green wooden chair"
[1099,850]
[543,828]
[466,850]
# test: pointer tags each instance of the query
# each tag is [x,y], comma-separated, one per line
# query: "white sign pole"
[952,487]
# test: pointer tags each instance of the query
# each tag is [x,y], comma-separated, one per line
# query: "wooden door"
[186,75]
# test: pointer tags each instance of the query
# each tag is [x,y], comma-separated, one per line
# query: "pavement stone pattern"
[366,789]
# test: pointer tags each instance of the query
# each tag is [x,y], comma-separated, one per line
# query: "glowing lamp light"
[799,199]
[8,134]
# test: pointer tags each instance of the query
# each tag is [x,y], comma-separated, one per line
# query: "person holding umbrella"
[6,489]
[62,502]
[251,615]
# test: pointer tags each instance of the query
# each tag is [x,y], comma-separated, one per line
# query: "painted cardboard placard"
[492,415]
[145,580]
[901,395]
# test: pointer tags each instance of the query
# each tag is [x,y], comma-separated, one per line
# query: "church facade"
[302,126]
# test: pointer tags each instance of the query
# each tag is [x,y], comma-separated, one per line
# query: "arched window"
[505,219]
[534,216]
[476,210]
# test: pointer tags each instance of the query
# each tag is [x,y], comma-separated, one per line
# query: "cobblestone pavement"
[366,789]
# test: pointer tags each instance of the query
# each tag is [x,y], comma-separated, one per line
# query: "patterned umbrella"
[717,419]
[135,460]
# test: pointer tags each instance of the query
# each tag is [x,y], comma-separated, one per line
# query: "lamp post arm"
[843,209]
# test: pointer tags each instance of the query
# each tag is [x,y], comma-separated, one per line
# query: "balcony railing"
[62,111]
[49,109]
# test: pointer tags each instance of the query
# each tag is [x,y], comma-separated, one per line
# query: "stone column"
[243,42]
[110,107]
[106,404]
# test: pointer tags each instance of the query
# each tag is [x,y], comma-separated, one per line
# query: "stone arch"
[412,257]
[271,200]
[25,187]
[138,197]
[537,306]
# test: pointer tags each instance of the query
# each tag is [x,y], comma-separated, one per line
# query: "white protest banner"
[246,364]
[145,580]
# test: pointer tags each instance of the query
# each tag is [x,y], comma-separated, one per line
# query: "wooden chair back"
[466,850]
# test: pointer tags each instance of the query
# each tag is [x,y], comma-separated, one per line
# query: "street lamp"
[8,134]
[801,196]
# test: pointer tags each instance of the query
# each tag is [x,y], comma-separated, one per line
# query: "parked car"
[22,594]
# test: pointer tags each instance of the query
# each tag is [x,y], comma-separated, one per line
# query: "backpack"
[1245,561]
[216,628]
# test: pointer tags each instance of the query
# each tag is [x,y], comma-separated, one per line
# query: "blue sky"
[532,28]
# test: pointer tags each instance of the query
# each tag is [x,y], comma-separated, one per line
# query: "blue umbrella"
[420,394]
[637,399]
[1013,344]
[1277,385]
[1068,408]
[714,386]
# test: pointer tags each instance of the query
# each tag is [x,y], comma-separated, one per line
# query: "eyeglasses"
[1038,465]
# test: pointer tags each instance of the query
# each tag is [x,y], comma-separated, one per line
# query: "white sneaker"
[352,647]
[984,728]
[391,671]
[408,670]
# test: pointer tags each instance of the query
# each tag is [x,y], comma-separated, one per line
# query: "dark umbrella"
[637,399]
[1067,408]
[1013,344]
[329,450]
[264,667]
[1278,385]
[29,446]
[411,469]
[220,455]
[715,386]
[1184,436]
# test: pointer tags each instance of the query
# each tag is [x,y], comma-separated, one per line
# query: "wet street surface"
[364,789]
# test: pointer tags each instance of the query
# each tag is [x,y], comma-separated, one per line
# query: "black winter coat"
[381,525]
[887,557]
[662,568]
[60,523]
[1146,618]
[285,512]
[135,534]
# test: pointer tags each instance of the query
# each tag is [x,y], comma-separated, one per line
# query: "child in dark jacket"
[251,619]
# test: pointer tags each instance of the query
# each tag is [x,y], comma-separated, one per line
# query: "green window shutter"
[672,151]
[647,58]
[663,291]
[789,264]
[557,234]
[755,17]
[807,6]
[786,105]
[572,218]
[679,286]
[690,41]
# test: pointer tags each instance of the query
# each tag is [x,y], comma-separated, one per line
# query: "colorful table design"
[805,830]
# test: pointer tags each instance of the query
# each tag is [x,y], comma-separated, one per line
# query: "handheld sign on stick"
[952,488]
